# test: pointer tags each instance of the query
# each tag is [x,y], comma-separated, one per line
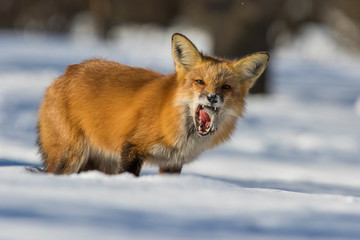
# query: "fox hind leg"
[63,157]
[67,162]
[77,157]
[102,161]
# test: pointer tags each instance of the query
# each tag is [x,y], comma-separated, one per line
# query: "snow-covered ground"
[291,170]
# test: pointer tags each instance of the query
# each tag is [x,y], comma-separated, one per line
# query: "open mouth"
[206,119]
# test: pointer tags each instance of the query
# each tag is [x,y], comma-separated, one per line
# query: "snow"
[291,170]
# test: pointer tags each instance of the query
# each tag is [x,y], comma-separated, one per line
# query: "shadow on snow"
[9,163]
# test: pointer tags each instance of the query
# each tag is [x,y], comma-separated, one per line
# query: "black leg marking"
[131,159]
[134,166]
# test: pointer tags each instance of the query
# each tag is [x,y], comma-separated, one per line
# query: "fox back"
[102,115]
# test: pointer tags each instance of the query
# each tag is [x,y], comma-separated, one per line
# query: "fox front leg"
[131,160]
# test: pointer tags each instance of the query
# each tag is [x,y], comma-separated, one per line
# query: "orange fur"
[107,116]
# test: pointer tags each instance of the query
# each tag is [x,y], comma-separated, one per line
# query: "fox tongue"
[204,117]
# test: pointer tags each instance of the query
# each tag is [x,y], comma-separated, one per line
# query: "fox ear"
[252,66]
[184,52]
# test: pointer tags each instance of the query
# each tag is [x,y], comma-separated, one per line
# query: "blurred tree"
[110,13]
[238,27]
[44,15]
[242,27]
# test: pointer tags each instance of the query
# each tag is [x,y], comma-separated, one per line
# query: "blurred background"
[233,28]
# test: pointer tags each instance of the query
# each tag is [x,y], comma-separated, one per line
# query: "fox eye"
[199,81]
[226,86]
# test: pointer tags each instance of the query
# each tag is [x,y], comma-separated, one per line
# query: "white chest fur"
[189,146]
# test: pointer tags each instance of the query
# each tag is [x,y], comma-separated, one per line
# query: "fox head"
[213,88]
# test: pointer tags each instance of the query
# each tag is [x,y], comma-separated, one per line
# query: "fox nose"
[212,98]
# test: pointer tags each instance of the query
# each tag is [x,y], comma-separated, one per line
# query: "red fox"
[102,115]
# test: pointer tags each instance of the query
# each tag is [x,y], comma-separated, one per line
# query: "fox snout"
[211,99]
[207,113]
